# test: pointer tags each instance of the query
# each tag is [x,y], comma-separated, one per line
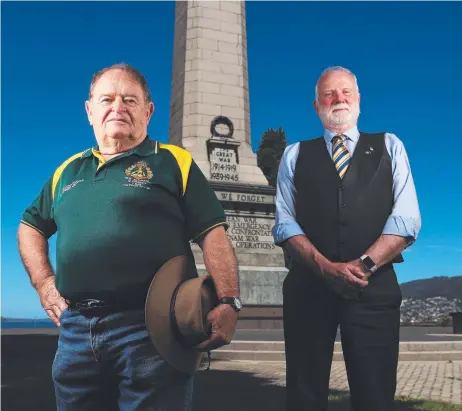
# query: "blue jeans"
[106,361]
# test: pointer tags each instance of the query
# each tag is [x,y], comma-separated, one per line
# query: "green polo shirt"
[118,221]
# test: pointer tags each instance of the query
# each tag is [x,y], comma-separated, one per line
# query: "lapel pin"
[369,150]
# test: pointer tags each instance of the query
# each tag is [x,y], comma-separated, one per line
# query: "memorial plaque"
[244,197]
[252,234]
[223,165]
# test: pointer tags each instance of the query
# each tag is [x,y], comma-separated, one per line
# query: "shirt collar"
[145,148]
[352,134]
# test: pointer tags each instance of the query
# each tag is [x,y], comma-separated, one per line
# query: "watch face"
[238,303]
[368,262]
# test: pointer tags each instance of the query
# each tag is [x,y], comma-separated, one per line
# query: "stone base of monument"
[259,285]
[261,294]
[249,212]
[258,317]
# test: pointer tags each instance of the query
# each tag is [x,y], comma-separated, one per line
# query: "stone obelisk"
[210,79]
[210,86]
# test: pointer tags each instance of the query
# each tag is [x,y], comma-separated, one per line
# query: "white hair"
[334,68]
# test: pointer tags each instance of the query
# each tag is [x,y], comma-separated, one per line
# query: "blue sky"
[406,55]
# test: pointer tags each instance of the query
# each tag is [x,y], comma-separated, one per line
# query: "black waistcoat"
[343,218]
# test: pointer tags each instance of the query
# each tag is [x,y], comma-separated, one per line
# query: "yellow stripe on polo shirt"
[59,171]
[183,159]
[100,158]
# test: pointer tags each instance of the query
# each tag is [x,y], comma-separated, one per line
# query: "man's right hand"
[51,300]
[348,272]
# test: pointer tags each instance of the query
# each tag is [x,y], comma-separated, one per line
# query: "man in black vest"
[346,209]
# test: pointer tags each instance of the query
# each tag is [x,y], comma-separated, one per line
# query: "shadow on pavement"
[26,372]
[27,384]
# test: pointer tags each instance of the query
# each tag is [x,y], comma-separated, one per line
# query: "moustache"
[117,119]
[340,106]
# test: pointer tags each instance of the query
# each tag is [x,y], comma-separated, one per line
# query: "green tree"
[269,153]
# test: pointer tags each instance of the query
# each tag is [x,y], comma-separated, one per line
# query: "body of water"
[28,324]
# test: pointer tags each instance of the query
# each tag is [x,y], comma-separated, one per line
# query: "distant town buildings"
[434,310]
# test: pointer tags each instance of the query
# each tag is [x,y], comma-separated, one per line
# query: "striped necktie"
[340,155]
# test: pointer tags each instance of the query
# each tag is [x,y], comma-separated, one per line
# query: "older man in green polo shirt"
[120,211]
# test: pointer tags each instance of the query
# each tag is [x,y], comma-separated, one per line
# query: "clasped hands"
[352,272]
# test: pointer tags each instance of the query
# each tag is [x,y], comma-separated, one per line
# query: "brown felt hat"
[176,311]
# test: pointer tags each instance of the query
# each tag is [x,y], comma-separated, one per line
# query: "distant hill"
[449,287]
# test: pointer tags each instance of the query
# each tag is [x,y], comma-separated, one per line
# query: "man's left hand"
[357,267]
[223,319]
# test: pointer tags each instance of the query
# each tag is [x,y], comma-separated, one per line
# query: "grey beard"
[340,121]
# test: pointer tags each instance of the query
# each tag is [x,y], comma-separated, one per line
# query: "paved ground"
[228,386]
[406,334]
[438,381]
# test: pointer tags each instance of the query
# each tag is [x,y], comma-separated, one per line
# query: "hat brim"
[157,315]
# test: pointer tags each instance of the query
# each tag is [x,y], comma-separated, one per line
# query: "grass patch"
[339,397]
[339,401]
[426,405]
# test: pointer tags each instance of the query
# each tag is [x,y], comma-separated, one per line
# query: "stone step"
[274,351]
[407,346]
[246,355]
[439,346]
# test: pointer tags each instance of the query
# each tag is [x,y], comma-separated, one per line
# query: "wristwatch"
[234,302]
[368,263]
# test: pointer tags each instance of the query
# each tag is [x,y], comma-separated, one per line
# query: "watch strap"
[226,300]
[231,301]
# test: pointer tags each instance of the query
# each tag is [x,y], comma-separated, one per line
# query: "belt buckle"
[88,304]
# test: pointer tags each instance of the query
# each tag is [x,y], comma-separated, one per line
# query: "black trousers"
[369,327]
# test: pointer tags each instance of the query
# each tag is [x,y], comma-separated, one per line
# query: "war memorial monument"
[210,118]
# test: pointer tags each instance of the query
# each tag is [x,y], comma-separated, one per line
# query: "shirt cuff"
[401,226]
[195,238]
[284,230]
[23,221]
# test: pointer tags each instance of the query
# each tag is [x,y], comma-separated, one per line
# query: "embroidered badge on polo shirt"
[138,175]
